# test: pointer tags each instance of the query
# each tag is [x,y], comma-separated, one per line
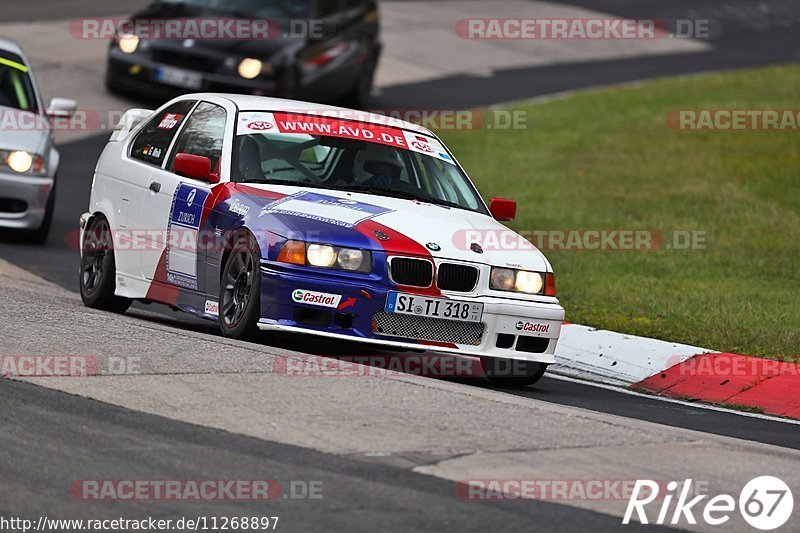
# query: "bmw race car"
[276,215]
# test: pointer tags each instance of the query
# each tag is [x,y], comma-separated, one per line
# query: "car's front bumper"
[23,200]
[138,74]
[360,314]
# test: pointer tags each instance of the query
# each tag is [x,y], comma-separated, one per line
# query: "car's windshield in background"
[16,89]
[403,164]
[255,8]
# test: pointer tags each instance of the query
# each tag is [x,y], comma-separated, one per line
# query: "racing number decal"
[182,235]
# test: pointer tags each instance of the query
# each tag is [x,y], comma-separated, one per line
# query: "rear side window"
[152,143]
[204,135]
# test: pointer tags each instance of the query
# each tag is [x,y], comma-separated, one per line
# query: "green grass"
[606,159]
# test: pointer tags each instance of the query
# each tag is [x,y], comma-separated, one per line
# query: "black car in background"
[317,50]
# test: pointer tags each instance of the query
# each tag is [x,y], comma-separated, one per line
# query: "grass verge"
[607,160]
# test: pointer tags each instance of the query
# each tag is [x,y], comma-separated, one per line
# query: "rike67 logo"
[765,503]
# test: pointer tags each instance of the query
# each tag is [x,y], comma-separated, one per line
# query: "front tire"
[98,272]
[240,289]
[512,373]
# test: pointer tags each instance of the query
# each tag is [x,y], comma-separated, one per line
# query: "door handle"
[155,187]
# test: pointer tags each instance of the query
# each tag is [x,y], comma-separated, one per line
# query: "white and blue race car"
[274,215]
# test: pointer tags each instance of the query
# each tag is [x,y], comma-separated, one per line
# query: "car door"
[174,204]
[134,174]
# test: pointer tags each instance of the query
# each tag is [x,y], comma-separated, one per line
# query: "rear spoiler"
[128,123]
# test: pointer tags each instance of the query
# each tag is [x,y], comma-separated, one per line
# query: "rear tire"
[512,373]
[240,289]
[98,272]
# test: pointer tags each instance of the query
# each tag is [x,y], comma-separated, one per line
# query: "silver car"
[28,159]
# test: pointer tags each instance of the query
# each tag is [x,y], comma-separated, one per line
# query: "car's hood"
[442,232]
[22,130]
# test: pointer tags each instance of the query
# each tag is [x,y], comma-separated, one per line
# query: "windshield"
[347,155]
[16,89]
[255,8]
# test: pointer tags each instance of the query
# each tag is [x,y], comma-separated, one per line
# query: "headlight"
[20,161]
[326,256]
[510,280]
[529,282]
[128,43]
[23,162]
[319,255]
[250,68]
[350,259]
[502,279]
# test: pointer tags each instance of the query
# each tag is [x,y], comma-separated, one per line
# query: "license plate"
[179,78]
[411,304]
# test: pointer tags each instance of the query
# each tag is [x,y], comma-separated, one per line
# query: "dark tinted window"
[16,89]
[328,8]
[203,135]
[153,142]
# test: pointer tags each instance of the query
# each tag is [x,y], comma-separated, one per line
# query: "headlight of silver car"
[511,280]
[23,162]
[326,256]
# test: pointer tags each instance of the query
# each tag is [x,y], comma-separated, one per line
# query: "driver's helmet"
[375,159]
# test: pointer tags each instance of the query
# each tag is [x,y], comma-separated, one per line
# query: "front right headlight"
[321,255]
[326,256]
[23,162]
[250,68]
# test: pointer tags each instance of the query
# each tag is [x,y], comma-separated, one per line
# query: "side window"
[204,135]
[152,143]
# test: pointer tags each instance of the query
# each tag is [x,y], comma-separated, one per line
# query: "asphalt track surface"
[51,438]
[126,444]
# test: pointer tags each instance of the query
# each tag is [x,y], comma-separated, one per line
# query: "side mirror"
[502,209]
[61,107]
[196,167]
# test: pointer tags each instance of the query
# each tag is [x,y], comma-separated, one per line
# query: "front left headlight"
[326,256]
[128,43]
[23,162]
[526,282]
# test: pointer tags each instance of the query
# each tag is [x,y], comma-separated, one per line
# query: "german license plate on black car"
[413,304]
